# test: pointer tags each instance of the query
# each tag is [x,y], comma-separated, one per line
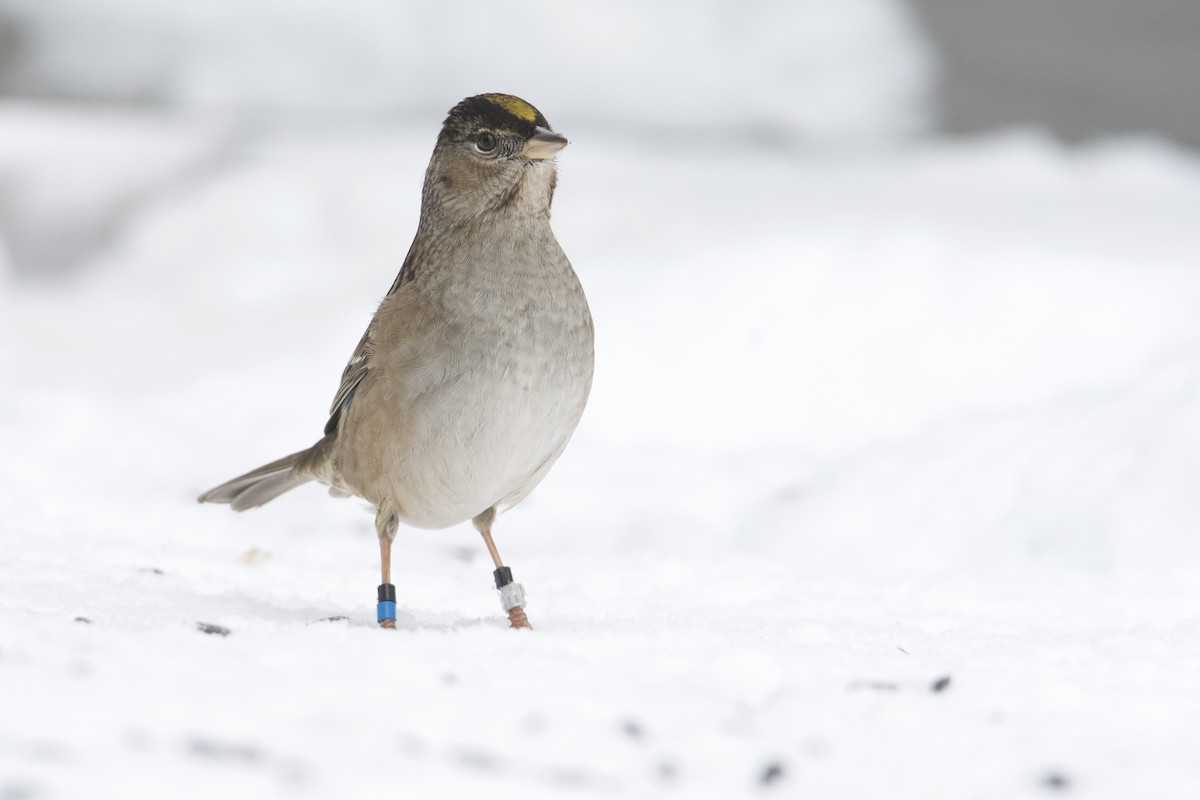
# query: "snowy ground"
[888,486]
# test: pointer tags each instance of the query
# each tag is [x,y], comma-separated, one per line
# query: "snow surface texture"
[888,486]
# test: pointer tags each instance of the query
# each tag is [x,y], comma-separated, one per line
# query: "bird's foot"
[517,618]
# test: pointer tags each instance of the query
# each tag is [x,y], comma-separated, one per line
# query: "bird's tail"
[261,485]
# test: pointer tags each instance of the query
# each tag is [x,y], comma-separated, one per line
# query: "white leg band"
[512,596]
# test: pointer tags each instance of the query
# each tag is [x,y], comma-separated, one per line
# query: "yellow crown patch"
[514,105]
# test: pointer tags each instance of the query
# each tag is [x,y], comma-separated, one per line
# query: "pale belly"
[481,440]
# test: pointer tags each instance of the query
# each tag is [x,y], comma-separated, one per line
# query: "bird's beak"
[544,143]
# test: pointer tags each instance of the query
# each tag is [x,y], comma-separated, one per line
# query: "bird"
[474,372]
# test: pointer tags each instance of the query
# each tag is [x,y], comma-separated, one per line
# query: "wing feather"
[360,363]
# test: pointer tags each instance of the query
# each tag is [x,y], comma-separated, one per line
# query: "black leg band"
[503,577]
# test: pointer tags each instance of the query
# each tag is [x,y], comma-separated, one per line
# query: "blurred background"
[196,83]
[898,367]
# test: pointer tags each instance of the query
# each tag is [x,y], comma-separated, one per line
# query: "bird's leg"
[385,527]
[512,595]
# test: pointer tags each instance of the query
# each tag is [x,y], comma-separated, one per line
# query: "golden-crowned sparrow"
[476,368]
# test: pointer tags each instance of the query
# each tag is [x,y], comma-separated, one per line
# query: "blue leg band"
[387,602]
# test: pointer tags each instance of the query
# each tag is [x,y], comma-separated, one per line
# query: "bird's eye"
[486,142]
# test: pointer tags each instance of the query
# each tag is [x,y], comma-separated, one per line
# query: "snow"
[862,421]
[779,68]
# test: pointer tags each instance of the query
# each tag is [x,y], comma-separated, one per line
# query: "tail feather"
[261,485]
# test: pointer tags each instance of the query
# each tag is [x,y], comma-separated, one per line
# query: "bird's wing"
[360,363]
[352,376]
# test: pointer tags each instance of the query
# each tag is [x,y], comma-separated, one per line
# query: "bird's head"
[494,155]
